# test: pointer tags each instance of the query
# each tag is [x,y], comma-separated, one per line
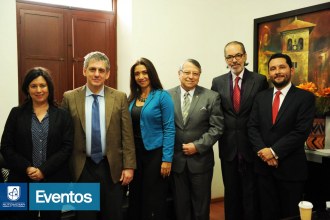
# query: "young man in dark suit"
[235,149]
[198,123]
[280,122]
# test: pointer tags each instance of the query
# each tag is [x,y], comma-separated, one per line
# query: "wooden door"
[41,41]
[92,32]
[58,38]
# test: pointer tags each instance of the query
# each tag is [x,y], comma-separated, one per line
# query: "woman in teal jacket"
[152,112]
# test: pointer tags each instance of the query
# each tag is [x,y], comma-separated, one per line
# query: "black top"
[136,114]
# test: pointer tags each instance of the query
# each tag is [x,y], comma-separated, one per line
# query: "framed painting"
[304,35]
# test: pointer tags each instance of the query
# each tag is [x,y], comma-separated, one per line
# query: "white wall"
[8,60]
[166,32]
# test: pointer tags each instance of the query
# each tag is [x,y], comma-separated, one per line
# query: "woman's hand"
[34,173]
[165,169]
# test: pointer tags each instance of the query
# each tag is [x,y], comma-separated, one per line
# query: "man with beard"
[280,122]
[235,150]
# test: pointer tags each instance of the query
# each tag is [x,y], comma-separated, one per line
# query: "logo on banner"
[13,193]
[64,196]
[13,196]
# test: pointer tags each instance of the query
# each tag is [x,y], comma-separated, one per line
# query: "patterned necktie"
[276,104]
[96,151]
[236,95]
[185,107]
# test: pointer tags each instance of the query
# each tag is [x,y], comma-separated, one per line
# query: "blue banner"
[13,196]
[64,196]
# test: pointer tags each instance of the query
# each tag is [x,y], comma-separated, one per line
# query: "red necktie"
[276,105]
[236,95]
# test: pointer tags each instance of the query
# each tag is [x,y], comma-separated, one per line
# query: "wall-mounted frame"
[303,34]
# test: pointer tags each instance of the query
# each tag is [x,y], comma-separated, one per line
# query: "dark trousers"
[192,194]
[148,190]
[240,190]
[111,194]
[278,198]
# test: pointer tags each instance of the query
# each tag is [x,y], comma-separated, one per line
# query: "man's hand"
[126,176]
[189,149]
[265,154]
[272,162]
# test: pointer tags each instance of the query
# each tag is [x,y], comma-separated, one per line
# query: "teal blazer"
[157,123]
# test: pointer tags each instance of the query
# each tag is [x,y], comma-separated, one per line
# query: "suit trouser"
[148,189]
[278,198]
[192,194]
[240,187]
[111,194]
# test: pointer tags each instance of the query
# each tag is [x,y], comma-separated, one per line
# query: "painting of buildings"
[306,39]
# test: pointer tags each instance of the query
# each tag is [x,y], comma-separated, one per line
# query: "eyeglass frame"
[237,56]
[188,73]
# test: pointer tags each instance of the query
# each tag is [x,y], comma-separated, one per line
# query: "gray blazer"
[203,128]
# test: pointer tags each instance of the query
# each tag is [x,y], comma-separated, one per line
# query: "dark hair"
[194,62]
[33,74]
[152,74]
[237,43]
[281,55]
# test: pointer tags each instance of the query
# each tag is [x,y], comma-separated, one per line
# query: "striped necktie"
[185,107]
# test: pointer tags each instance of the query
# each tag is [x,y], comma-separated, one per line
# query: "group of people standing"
[159,140]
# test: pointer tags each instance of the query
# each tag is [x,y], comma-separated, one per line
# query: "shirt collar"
[284,90]
[191,92]
[89,92]
[241,75]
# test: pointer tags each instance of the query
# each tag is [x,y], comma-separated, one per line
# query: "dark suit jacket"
[235,138]
[203,128]
[287,136]
[17,146]
[120,149]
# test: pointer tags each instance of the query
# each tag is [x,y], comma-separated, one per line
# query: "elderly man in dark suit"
[237,90]
[110,159]
[280,122]
[199,124]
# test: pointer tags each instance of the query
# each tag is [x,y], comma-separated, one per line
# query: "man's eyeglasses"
[187,73]
[238,57]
